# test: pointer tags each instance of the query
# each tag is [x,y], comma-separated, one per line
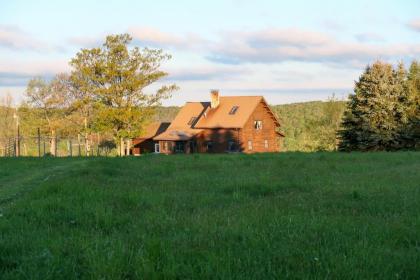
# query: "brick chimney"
[214,97]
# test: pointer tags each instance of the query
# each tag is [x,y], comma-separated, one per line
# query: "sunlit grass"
[296,215]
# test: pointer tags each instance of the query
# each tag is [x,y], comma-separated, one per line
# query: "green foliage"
[114,78]
[46,103]
[310,126]
[7,122]
[411,132]
[377,115]
[165,114]
[288,215]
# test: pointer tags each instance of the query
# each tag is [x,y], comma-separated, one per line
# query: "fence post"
[56,144]
[87,146]
[97,147]
[39,142]
[71,148]
[18,141]
[78,141]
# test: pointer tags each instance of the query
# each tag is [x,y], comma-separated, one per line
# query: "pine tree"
[411,131]
[374,113]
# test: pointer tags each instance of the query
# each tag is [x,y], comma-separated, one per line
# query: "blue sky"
[288,51]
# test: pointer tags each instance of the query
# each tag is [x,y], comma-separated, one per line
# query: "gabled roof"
[220,116]
[181,127]
[153,129]
[196,116]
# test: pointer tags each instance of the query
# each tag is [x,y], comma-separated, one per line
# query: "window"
[157,148]
[258,125]
[266,144]
[232,146]
[192,120]
[179,146]
[250,145]
[209,146]
[233,110]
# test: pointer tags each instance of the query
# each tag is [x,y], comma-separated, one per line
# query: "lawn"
[268,216]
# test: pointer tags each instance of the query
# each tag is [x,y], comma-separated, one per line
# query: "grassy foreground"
[289,215]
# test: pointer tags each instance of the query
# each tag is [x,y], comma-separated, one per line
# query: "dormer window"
[192,120]
[233,110]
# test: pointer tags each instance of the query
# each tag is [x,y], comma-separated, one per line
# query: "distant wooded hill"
[308,126]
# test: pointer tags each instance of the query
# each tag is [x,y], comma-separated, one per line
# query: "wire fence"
[43,146]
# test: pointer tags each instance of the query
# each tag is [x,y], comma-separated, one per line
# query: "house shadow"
[222,141]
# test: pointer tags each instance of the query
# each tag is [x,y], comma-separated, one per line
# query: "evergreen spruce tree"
[375,112]
[411,132]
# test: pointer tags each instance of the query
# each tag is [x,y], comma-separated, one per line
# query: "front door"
[192,147]
[157,148]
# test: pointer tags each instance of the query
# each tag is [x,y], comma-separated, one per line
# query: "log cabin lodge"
[226,124]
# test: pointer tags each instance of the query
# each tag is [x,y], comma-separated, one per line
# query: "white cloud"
[279,45]
[271,45]
[14,38]
[156,38]
[149,37]
[19,72]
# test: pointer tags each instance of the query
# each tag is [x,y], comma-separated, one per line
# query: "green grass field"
[288,215]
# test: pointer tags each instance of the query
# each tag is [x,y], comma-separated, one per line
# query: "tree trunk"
[78,142]
[53,143]
[87,143]
[128,146]
[122,150]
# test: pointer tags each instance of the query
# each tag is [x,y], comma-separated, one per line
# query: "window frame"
[232,146]
[258,124]
[266,144]
[192,121]
[250,145]
[233,110]
[177,145]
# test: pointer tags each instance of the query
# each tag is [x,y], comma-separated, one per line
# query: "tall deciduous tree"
[47,102]
[114,79]
[7,122]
